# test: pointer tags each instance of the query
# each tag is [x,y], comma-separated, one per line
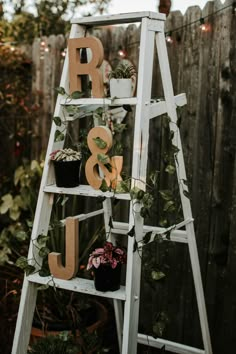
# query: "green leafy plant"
[123,71]
[62,344]
[66,154]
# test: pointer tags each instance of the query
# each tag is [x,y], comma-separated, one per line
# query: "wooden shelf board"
[85,190]
[99,101]
[79,285]
[118,18]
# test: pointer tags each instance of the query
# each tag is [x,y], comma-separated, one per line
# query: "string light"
[122,53]
[169,38]
[205,27]
[63,53]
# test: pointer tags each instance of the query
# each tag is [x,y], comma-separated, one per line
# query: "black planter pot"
[67,173]
[107,278]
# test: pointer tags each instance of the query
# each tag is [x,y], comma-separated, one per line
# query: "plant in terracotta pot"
[106,263]
[66,166]
[121,80]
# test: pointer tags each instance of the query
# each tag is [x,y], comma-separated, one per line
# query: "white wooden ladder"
[152,31]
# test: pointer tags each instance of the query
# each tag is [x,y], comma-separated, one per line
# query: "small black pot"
[107,278]
[67,173]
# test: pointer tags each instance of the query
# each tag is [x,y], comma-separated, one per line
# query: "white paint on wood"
[86,191]
[99,101]
[119,18]
[79,285]
[181,175]
[170,346]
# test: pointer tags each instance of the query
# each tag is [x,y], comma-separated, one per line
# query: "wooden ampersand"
[77,69]
[72,253]
[91,168]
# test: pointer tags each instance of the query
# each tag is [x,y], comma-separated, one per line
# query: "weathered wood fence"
[203,64]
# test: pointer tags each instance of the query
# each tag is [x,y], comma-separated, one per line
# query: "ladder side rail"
[40,226]
[181,175]
[140,145]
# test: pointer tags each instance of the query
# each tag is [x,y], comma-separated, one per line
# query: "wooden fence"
[203,64]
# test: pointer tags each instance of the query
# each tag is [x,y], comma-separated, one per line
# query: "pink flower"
[109,254]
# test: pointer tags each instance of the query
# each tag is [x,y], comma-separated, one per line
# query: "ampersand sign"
[93,164]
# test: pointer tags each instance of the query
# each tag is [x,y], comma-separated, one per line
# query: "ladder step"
[86,191]
[169,346]
[120,18]
[121,228]
[79,285]
[90,102]
[159,108]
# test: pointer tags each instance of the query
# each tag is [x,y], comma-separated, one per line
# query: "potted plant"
[106,263]
[63,344]
[121,80]
[66,166]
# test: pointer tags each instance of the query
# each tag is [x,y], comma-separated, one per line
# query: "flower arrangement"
[109,255]
[66,154]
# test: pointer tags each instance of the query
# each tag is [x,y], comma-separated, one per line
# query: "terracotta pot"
[99,324]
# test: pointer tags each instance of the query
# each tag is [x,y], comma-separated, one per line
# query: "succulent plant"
[66,154]
[123,71]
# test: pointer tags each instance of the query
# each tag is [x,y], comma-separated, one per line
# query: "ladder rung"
[98,102]
[86,191]
[159,108]
[169,346]
[118,19]
[82,217]
[79,285]
[121,228]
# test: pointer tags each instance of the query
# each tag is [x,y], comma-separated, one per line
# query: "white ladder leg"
[133,273]
[181,174]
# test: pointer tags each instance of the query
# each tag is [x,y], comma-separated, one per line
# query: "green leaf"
[144,212]
[57,121]
[14,213]
[104,159]
[157,275]
[59,136]
[7,203]
[166,194]
[122,187]
[19,173]
[101,144]
[44,273]
[147,237]
[44,251]
[135,246]
[42,239]
[169,206]
[21,235]
[64,200]
[110,223]
[131,232]
[186,193]
[43,287]
[170,169]
[60,90]
[159,328]
[140,194]
[22,262]
[158,238]
[29,269]
[171,134]
[76,94]
[104,187]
